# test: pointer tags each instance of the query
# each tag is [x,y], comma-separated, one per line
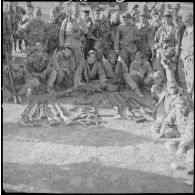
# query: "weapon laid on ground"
[11,79]
[72,89]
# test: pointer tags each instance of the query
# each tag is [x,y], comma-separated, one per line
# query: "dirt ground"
[119,157]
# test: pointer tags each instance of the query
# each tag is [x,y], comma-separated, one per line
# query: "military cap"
[29,5]
[38,12]
[85,9]
[39,46]
[135,6]
[167,13]
[177,6]
[187,16]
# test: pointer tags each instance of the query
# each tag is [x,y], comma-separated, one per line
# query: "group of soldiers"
[146,47]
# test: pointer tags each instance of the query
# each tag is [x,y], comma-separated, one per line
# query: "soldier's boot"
[138,92]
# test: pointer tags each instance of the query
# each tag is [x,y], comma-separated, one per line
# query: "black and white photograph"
[97,97]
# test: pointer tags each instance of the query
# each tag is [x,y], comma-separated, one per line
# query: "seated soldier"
[21,83]
[158,86]
[141,71]
[90,69]
[63,63]
[37,67]
[117,70]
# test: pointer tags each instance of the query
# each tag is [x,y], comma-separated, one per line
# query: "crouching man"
[63,63]
[117,70]
[21,82]
[37,67]
[90,69]
[141,71]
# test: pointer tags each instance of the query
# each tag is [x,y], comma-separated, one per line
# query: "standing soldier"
[167,38]
[52,30]
[24,25]
[71,32]
[144,31]
[187,51]
[125,38]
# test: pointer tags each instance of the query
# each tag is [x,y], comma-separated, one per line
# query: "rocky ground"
[121,156]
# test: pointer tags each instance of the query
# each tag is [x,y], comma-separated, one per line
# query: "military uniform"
[65,69]
[7,33]
[95,71]
[52,30]
[71,33]
[166,38]
[187,54]
[141,72]
[37,68]
[125,41]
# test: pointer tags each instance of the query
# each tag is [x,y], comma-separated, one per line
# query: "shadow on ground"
[74,135]
[88,178]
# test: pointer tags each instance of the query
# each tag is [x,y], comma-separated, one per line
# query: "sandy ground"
[121,156]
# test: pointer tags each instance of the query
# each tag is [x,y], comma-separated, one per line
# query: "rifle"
[11,79]
[72,89]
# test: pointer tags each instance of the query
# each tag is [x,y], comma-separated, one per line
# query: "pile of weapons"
[46,109]
[128,106]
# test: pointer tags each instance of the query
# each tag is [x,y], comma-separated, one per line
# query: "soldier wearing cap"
[144,32]
[37,67]
[52,30]
[90,69]
[166,37]
[71,31]
[63,63]
[37,28]
[187,51]
[126,36]
[25,23]
[116,71]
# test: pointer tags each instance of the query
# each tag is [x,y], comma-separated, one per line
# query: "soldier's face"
[158,80]
[143,20]
[173,90]
[181,109]
[112,58]
[29,10]
[67,53]
[127,21]
[189,22]
[168,19]
[91,59]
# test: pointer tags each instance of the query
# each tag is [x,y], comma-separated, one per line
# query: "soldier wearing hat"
[187,51]
[90,69]
[125,40]
[71,31]
[37,64]
[166,37]
[144,32]
[63,63]
[52,30]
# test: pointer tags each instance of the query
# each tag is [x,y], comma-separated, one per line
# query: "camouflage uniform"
[125,41]
[65,69]
[52,30]
[37,68]
[187,55]
[166,38]
[71,32]
[7,33]
[141,72]
[101,31]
